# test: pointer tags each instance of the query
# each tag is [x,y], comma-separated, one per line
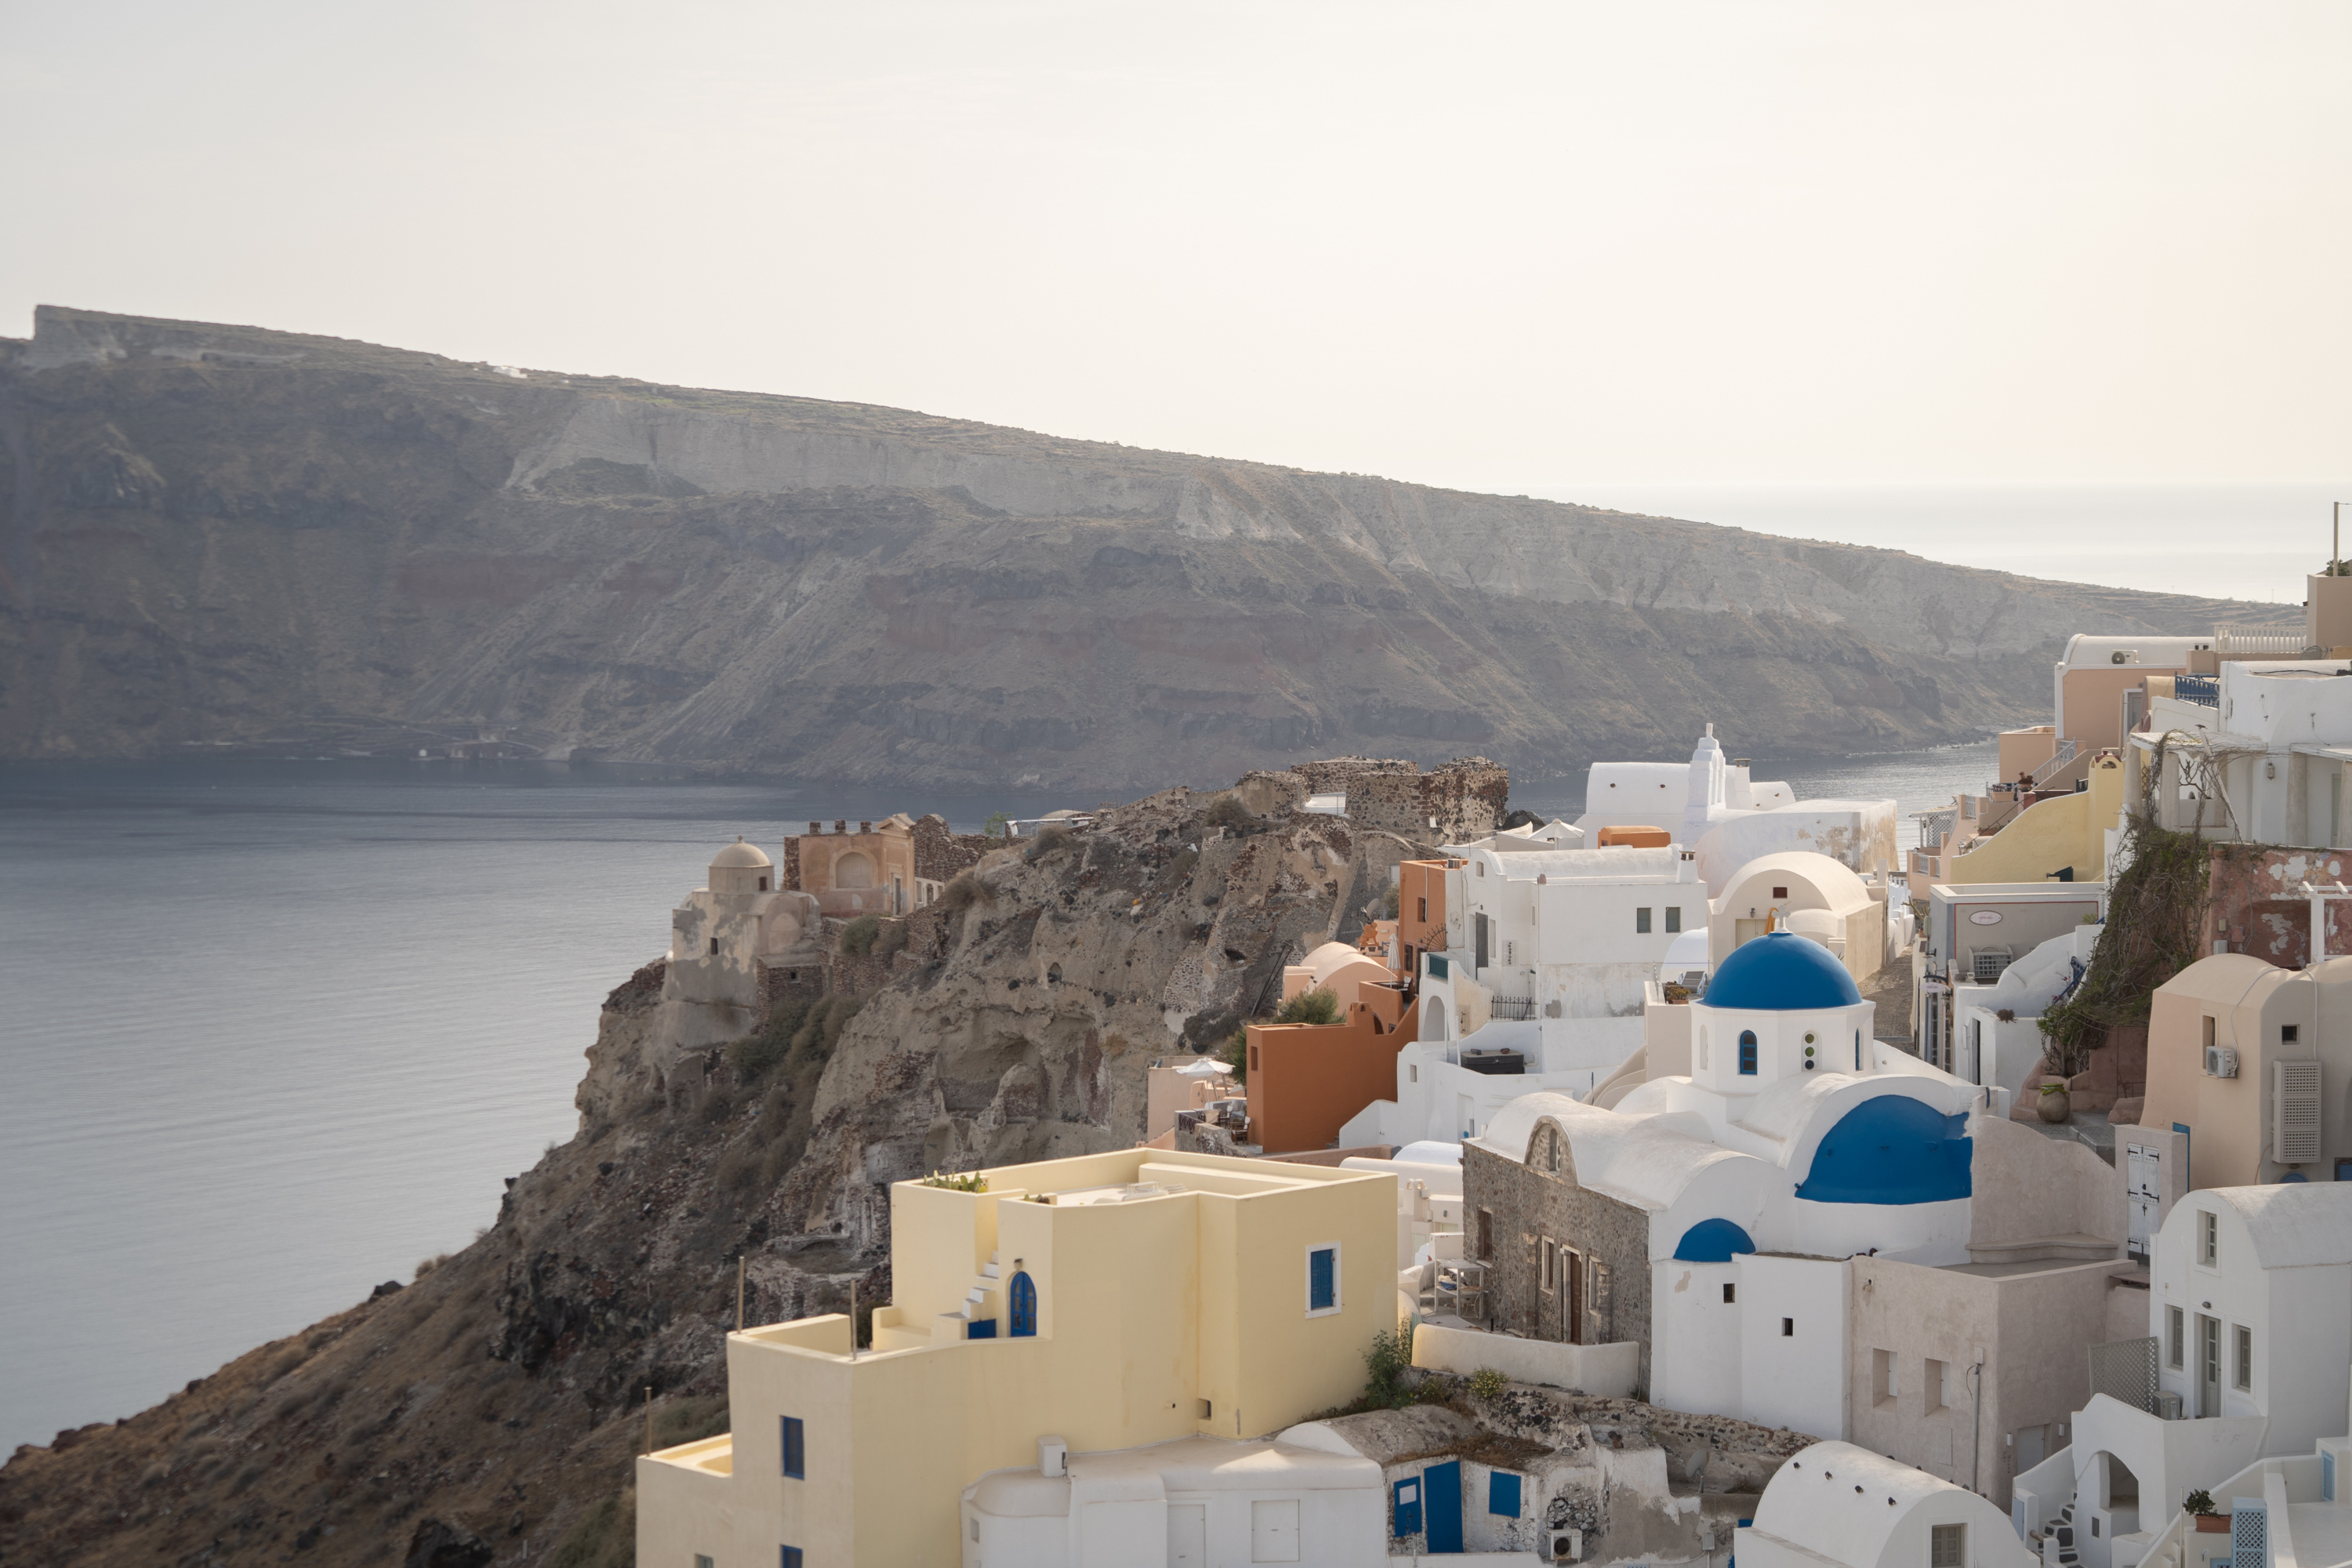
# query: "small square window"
[1673,917]
[1947,1546]
[1641,919]
[2289,1034]
[1322,1280]
[1787,1328]
[795,1459]
[1731,1293]
[1779,892]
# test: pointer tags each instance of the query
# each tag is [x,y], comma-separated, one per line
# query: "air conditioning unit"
[1567,1545]
[2294,1112]
[2167,1405]
[2220,1061]
[2124,656]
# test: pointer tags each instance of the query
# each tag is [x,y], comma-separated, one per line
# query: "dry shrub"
[965,889]
[1227,811]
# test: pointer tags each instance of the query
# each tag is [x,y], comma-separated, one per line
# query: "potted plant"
[2199,1507]
[2054,1107]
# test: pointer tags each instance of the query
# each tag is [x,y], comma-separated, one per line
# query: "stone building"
[890,868]
[714,986]
[1465,799]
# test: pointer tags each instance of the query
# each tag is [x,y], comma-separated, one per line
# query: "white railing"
[2263,640]
[2067,751]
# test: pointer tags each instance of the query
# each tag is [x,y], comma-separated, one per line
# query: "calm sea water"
[276,1031]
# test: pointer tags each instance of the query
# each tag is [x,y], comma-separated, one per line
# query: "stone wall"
[1468,796]
[1528,1205]
[940,852]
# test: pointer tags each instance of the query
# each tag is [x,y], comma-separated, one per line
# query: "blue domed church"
[1707,1214]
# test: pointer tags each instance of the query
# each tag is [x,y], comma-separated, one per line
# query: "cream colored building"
[1108,1303]
[2254,1064]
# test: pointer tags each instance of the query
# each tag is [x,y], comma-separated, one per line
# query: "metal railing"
[2067,751]
[1511,1009]
[2202,690]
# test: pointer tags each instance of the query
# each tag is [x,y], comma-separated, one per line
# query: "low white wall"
[1604,1371]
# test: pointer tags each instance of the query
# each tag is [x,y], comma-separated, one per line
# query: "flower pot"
[2211,1523]
[2055,1106]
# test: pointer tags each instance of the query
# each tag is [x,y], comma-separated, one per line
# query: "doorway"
[1442,1505]
[2208,1365]
[1745,931]
[1571,1296]
[1188,1535]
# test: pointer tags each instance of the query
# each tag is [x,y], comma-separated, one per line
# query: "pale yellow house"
[1108,1301]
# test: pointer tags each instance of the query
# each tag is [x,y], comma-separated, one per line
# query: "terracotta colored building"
[1307,1080]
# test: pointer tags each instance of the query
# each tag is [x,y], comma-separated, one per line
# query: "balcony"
[2203,689]
[1512,1009]
[2258,642]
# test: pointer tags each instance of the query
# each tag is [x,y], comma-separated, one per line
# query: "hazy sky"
[1506,247]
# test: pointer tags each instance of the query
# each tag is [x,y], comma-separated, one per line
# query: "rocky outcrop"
[217,537]
[500,1397]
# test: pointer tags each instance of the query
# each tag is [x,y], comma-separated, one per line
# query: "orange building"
[1306,1081]
[870,871]
[1420,910]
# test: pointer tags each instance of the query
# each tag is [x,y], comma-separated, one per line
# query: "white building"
[2262,746]
[1837,1504]
[718,937]
[2248,1355]
[1726,820]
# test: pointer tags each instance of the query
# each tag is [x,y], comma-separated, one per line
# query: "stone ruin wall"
[1468,796]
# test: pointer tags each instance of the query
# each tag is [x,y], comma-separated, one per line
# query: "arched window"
[1432,1019]
[1024,1307]
[1702,1049]
[1747,1053]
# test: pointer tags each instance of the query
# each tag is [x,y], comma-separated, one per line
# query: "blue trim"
[1891,1148]
[2187,1182]
[1712,1241]
[1322,1283]
[980,1328]
[1408,1511]
[793,1439]
[1781,971]
[1436,965]
[1024,1307]
[1747,1053]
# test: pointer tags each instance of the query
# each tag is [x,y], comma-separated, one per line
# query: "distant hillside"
[226,536]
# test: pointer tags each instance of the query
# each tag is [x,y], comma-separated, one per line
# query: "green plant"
[1435,1388]
[1385,1360]
[2155,906]
[1389,902]
[1316,1007]
[998,825]
[1234,1054]
[958,1182]
[2199,1501]
[857,936]
[1487,1383]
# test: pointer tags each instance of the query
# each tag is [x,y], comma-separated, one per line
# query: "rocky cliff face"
[488,1411]
[215,535]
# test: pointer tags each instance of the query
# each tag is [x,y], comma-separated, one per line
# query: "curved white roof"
[1845,1503]
[1333,956]
[747,856]
[2294,1224]
[1643,1160]
[1834,880]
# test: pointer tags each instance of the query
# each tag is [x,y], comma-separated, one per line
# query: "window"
[1486,1233]
[788,1557]
[1421,908]
[2175,1331]
[1673,918]
[1702,1049]
[763,884]
[1787,1328]
[702,1559]
[1503,1494]
[2208,1033]
[1408,1506]
[1779,892]
[1323,1279]
[1641,919]
[2289,1034]
[1548,1254]
[2245,1359]
[714,947]
[1947,1546]
[1857,1050]
[1253,1058]
[2208,1239]
[1747,1053]
[796,1457]
[1731,1293]
[1413,1072]
[1883,1387]
[1937,1385]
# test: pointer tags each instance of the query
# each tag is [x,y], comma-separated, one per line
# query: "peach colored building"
[870,871]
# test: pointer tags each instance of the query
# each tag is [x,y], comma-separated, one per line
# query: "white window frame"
[1338,1287]
[2208,1239]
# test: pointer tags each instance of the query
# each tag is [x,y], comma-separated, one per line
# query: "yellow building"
[1110,1301]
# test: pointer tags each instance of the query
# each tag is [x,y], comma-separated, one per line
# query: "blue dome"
[1781,971]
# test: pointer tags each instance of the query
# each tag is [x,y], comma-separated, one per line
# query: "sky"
[1567,248]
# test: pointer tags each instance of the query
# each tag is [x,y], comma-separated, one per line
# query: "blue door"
[1024,1307]
[1442,1505]
[1408,1507]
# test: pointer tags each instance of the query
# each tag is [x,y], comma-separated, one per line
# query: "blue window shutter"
[788,1557]
[1024,1307]
[1322,1287]
[2250,1533]
[980,1328]
[1503,1494]
[794,1459]
[1747,1053]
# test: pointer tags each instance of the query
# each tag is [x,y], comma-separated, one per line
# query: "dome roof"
[743,856]
[1781,971]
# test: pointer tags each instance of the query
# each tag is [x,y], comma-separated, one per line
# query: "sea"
[277,1029]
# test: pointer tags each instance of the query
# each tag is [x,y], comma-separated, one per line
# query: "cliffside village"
[1708,1176]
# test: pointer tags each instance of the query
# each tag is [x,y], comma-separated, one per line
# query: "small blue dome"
[1781,971]
[1712,1241]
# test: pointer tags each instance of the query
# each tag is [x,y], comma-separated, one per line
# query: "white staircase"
[2058,1541]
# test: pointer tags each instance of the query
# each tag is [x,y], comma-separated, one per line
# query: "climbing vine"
[2156,905]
